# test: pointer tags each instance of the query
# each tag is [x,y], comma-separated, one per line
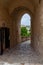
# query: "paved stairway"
[22,53]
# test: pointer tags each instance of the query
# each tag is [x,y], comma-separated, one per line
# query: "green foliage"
[29,34]
[24,32]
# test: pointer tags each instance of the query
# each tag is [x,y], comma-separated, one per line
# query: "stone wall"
[23,39]
[37,29]
[6,19]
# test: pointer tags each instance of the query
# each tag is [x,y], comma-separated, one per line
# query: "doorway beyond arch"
[25,27]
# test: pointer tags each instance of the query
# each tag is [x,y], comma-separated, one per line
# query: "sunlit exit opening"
[26,27]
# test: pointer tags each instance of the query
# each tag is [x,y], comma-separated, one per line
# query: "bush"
[24,32]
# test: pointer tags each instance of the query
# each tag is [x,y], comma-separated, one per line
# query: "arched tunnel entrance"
[16,17]
[25,27]
[21,49]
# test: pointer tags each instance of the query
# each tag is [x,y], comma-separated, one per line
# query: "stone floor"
[22,54]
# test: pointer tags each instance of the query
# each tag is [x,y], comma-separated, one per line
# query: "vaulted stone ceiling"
[11,4]
[35,2]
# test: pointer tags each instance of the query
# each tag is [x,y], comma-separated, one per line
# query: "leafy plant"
[24,32]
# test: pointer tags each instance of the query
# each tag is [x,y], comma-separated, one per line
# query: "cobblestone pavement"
[22,53]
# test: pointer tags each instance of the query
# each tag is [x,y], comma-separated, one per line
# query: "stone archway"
[19,20]
[16,17]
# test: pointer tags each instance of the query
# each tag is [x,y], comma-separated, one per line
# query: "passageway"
[11,12]
[22,53]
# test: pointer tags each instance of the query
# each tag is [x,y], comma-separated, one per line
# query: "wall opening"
[25,27]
